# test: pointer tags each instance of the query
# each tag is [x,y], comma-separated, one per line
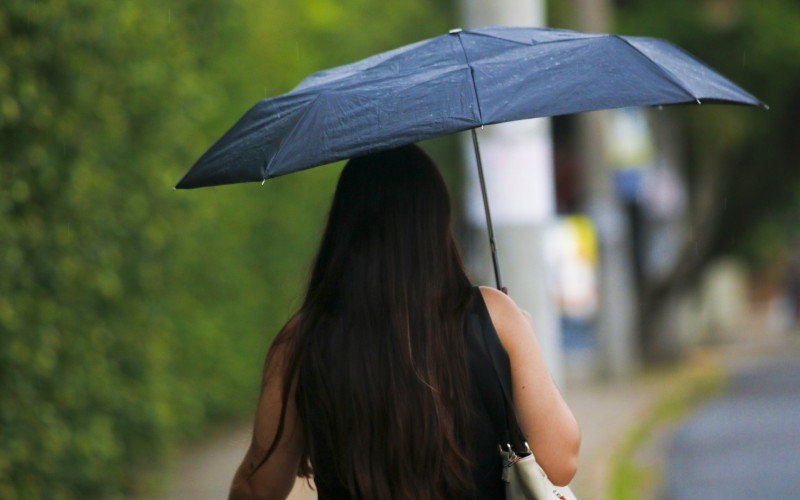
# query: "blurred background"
[662,250]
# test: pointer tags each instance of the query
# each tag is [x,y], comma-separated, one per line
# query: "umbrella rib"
[472,76]
[698,61]
[660,69]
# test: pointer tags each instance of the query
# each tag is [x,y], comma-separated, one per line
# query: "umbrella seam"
[533,42]
[311,87]
[265,174]
[487,35]
[472,76]
[665,72]
[439,70]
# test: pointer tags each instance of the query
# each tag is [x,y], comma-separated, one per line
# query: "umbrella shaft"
[492,246]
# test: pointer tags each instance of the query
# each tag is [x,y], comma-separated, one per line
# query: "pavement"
[746,442]
[205,469]
[749,437]
[605,411]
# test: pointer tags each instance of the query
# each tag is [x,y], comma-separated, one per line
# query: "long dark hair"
[378,354]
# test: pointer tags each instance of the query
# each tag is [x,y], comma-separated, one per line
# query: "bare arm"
[544,417]
[276,477]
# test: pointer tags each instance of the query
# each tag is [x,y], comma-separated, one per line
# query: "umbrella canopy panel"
[451,83]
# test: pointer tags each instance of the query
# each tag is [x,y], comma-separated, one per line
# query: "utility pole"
[617,313]
[518,161]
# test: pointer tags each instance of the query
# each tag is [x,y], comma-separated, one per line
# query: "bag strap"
[512,434]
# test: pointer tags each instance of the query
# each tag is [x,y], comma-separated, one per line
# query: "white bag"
[525,479]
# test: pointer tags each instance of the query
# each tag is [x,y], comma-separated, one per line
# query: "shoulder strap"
[512,433]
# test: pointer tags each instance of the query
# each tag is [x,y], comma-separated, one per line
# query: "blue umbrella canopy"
[450,83]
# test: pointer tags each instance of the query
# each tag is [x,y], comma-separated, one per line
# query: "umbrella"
[450,83]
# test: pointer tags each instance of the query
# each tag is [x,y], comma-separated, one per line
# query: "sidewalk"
[606,413]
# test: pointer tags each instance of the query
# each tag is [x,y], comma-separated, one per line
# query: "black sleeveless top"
[487,427]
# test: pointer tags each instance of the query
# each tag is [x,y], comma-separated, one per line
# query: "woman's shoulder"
[494,296]
[511,323]
[498,303]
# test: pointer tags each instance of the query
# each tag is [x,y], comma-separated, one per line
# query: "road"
[744,444]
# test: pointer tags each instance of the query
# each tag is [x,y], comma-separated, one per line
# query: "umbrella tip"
[455,30]
[698,101]
[263,181]
[766,106]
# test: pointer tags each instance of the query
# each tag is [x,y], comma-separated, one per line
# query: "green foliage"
[132,316]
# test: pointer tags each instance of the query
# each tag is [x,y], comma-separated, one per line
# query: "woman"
[374,384]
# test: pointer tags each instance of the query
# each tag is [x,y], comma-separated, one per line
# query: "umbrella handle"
[492,245]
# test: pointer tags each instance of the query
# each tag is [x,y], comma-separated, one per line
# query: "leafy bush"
[132,316]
